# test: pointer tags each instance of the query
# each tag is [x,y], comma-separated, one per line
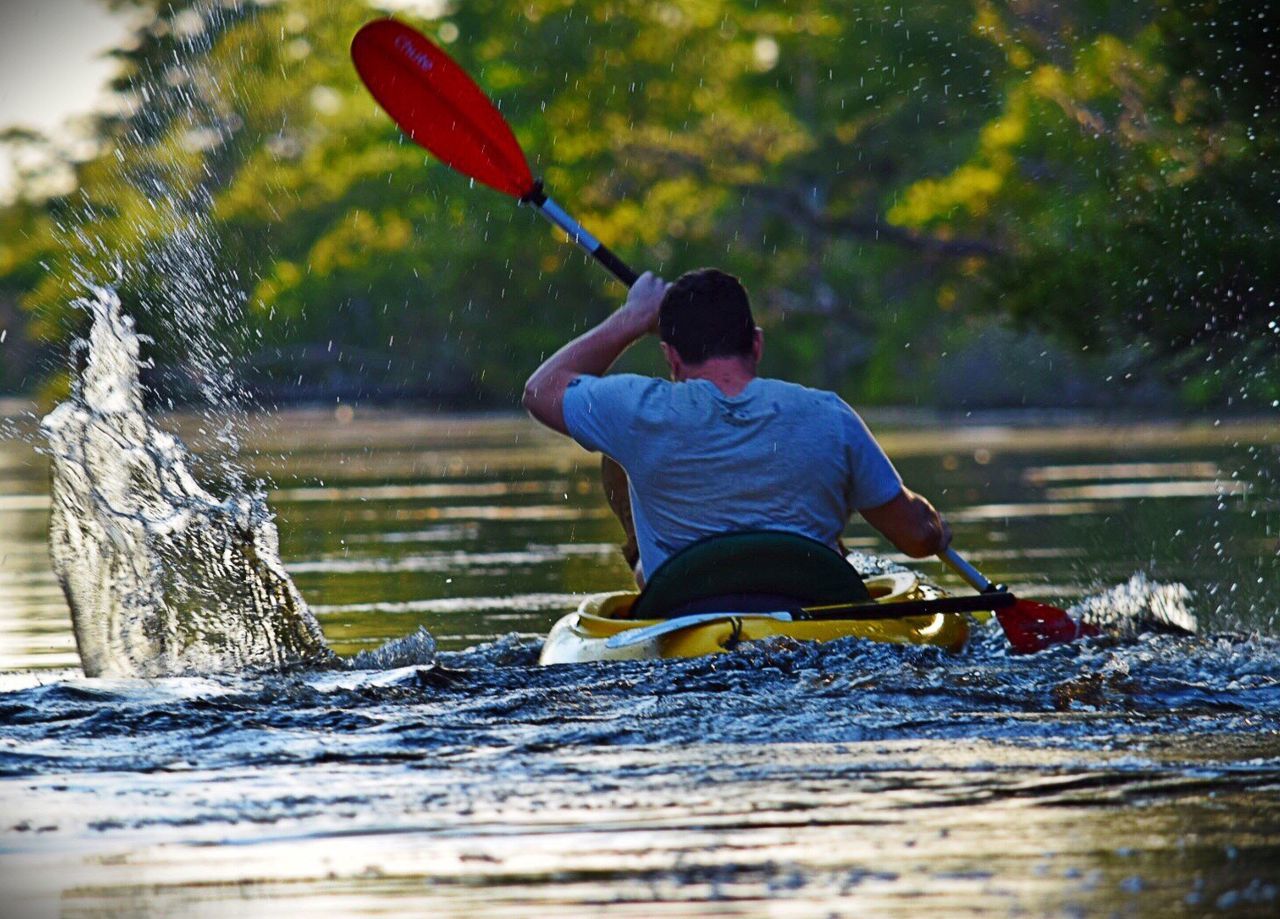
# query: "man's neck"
[730,375]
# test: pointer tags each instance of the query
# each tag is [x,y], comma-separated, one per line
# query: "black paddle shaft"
[901,610]
[556,215]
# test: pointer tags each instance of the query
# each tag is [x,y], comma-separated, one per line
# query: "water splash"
[1139,605]
[417,649]
[162,577]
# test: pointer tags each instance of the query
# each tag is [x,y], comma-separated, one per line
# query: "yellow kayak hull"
[580,636]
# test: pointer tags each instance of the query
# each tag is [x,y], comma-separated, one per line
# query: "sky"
[52,65]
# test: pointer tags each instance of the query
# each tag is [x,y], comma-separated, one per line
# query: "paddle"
[859,612]
[1028,625]
[440,107]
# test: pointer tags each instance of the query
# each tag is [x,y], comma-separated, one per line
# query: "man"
[719,449]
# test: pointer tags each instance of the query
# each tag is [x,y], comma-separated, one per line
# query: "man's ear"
[757,344]
[673,361]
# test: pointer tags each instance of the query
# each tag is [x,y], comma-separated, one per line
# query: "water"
[850,775]
[1134,773]
[161,577]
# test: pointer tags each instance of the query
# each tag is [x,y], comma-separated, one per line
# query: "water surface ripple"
[1144,772]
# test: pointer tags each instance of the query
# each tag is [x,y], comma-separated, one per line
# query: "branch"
[875,230]
[797,207]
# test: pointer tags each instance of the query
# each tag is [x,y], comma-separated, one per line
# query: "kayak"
[584,634]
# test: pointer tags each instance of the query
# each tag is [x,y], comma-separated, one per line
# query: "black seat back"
[749,571]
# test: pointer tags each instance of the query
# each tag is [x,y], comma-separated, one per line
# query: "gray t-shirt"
[776,456]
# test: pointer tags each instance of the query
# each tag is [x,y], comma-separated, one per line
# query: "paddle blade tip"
[437,104]
[1032,627]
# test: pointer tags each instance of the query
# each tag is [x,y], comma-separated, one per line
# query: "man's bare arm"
[594,351]
[910,522]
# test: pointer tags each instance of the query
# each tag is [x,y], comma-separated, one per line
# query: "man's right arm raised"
[593,352]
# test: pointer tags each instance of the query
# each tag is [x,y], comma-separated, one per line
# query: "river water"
[1136,775]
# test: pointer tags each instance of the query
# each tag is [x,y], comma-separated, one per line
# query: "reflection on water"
[864,778]
[412,492]
[1038,509]
[1098,472]
[1167,489]
[1134,775]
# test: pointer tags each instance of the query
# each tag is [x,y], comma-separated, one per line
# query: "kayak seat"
[750,571]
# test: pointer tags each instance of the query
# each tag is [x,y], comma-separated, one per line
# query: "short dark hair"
[706,314]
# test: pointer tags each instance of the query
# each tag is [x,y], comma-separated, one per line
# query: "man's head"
[706,314]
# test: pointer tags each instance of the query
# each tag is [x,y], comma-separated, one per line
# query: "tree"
[1130,181]
[887,180]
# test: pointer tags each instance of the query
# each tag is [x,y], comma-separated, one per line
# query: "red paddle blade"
[1032,627]
[439,106]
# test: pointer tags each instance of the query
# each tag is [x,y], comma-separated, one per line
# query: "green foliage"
[878,175]
[1130,180]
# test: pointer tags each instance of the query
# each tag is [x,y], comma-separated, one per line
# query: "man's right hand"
[643,300]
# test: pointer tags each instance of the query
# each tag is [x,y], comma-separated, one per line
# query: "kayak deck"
[581,636]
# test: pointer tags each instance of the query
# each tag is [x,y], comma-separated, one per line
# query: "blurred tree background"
[944,203]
